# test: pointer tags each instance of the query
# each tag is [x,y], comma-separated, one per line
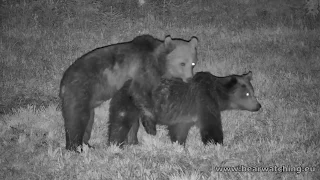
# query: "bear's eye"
[247,94]
[183,64]
[193,64]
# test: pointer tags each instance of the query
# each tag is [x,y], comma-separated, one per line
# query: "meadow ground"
[275,40]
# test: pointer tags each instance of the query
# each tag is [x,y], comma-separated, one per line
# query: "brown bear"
[180,105]
[96,76]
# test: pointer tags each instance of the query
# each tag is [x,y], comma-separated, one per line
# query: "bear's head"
[181,57]
[241,93]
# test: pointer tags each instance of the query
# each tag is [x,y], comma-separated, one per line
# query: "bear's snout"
[258,107]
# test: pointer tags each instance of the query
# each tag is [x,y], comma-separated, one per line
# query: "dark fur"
[180,105]
[97,75]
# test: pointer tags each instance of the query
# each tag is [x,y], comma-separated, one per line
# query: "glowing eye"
[183,64]
[247,94]
[193,64]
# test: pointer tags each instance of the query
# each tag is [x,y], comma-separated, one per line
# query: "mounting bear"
[97,75]
[180,105]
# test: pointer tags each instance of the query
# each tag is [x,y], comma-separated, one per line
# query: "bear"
[180,105]
[97,75]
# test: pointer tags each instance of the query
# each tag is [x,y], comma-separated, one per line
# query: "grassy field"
[274,39]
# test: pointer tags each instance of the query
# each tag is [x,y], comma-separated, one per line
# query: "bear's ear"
[167,40]
[231,82]
[194,42]
[248,76]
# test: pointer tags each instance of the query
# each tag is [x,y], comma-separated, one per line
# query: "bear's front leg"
[149,123]
[211,127]
[143,101]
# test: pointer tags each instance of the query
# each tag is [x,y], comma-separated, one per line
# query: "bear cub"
[180,105]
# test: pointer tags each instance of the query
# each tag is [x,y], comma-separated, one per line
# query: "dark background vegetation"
[279,40]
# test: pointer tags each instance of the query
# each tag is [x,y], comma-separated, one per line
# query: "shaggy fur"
[180,105]
[98,75]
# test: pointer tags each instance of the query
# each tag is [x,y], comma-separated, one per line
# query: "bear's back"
[146,43]
[106,56]
[174,98]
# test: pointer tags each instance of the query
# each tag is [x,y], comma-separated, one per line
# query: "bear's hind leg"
[211,128]
[179,132]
